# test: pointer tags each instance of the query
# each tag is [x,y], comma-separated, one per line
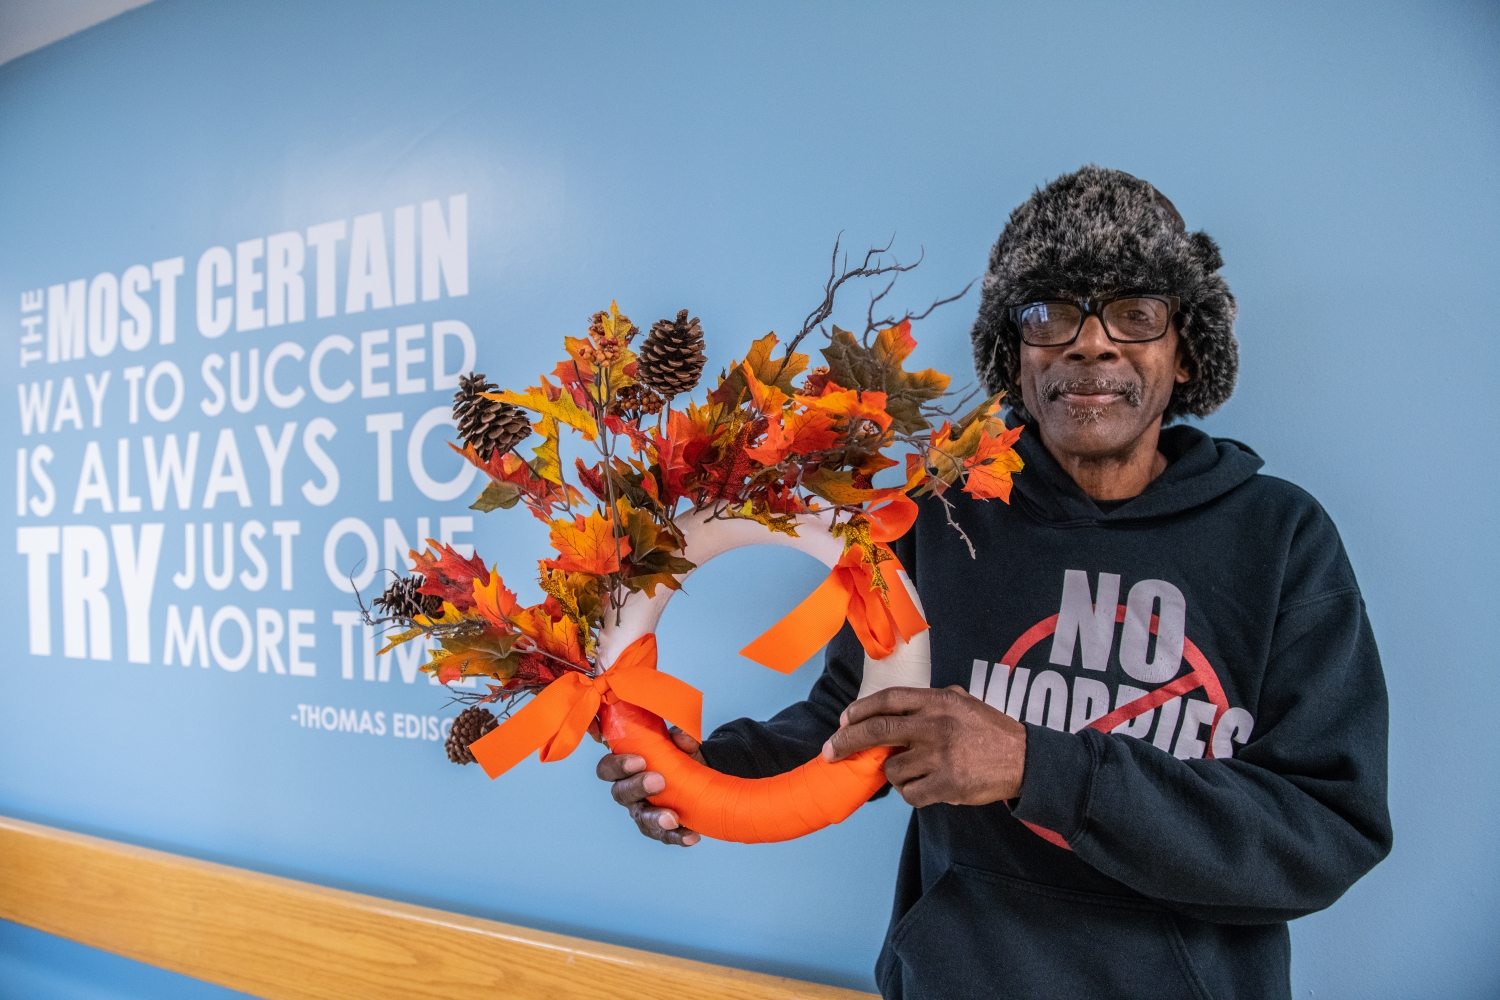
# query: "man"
[1157,731]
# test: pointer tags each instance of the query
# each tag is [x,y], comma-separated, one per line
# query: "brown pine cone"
[490,426]
[671,360]
[472,723]
[402,599]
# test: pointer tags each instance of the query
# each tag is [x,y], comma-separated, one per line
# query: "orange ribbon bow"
[556,720]
[850,593]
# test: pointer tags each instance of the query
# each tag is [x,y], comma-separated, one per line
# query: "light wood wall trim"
[287,940]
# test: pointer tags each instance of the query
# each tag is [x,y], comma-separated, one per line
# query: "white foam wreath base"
[706,536]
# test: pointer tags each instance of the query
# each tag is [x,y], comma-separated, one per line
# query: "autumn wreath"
[775,453]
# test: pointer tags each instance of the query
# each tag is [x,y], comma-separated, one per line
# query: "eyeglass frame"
[1095,307]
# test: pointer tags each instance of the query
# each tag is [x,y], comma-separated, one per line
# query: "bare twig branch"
[948,513]
[940,302]
[838,274]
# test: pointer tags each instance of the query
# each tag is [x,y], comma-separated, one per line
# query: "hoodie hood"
[1199,469]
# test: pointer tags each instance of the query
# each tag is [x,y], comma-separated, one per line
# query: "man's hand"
[633,783]
[953,747]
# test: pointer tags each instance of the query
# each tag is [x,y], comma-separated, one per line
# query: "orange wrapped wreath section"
[631,699]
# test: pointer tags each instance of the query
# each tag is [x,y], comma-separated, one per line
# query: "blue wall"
[1345,159]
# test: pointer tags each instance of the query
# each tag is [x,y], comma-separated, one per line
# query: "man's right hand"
[632,783]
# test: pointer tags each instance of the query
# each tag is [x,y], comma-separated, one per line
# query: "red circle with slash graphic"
[1202,675]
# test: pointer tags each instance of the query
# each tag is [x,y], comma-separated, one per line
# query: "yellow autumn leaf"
[563,408]
[838,487]
[546,462]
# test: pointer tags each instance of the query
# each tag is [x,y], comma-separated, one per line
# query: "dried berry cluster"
[636,401]
[605,353]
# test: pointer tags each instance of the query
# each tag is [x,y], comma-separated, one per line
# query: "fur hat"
[1099,231]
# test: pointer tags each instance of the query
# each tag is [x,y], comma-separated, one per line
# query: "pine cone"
[488,425]
[671,359]
[472,723]
[402,599]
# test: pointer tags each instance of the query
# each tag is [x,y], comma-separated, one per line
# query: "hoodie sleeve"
[1283,828]
[749,749]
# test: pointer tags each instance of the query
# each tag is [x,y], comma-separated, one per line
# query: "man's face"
[1094,398]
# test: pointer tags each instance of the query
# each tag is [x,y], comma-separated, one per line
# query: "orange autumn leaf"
[587,545]
[811,430]
[552,639]
[878,368]
[992,465]
[768,399]
[896,342]
[852,405]
[493,599]
[802,431]
[774,446]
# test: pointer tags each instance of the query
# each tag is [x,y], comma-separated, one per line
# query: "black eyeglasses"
[1127,319]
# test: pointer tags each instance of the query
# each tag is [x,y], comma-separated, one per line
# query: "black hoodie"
[1188,843]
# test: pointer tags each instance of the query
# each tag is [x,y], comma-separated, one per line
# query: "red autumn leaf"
[639,442]
[540,494]
[688,435]
[780,499]
[817,380]
[448,575]
[724,478]
[592,478]
[576,370]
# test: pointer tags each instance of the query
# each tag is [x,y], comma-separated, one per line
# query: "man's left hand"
[952,747]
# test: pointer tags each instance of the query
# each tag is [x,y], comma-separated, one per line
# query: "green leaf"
[851,364]
[497,494]
[660,569]
[905,394]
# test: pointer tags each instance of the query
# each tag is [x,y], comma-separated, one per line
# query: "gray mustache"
[1129,391]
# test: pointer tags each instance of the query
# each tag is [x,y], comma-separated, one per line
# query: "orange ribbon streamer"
[556,720]
[850,593]
[892,517]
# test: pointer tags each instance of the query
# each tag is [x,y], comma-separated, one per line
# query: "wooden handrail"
[287,940]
